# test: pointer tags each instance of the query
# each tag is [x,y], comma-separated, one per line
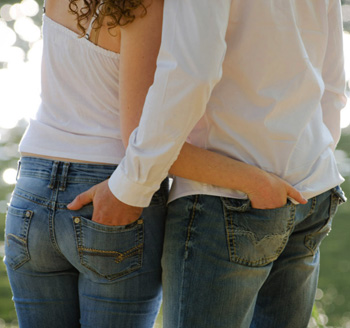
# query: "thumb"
[81,200]
[296,195]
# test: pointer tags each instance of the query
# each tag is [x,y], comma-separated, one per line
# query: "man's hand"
[108,210]
[270,191]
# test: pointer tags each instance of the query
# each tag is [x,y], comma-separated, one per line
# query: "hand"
[108,209]
[270,191]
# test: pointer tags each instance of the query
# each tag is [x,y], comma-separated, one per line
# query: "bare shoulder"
[58,11]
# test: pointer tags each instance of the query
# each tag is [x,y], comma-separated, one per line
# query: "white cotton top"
[259,81]
[78,117]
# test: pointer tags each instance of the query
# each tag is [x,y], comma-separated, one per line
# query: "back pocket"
[256,237]
[109,251]
[16,236]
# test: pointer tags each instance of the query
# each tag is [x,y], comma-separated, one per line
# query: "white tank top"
[78,117]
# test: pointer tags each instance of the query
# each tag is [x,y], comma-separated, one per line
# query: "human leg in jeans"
[229,265]
[68,271]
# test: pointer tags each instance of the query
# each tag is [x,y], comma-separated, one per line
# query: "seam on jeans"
[52,214]
[228,234]
[190,224]
[182,288]
[34,199]
[312,208]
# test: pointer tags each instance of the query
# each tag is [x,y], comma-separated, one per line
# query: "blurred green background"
[20,47]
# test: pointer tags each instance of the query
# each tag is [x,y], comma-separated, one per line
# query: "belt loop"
[53,174]
[18,169]
[64,177]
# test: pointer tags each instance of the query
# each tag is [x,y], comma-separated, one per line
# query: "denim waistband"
[59,173]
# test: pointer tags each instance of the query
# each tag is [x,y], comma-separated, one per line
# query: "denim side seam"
[190,226]
[182,302]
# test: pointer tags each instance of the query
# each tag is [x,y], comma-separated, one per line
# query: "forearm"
[265,190]
[212,168]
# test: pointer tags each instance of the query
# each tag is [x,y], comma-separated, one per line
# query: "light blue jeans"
[67,271]
[227,265]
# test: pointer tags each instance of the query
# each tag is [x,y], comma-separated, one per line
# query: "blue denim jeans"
[227,265]
[68,271]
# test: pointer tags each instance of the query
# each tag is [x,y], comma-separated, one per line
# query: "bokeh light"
[5,12]
[9,176]
[7,36]
[29,8]
[27,30]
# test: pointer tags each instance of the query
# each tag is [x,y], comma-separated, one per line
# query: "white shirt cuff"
[129,192]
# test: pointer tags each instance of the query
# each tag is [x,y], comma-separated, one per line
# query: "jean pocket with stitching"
[314,239]
[256,237]
[110,252]
[16,236]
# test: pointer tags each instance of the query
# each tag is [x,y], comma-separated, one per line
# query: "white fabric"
[259,81]
[79,114]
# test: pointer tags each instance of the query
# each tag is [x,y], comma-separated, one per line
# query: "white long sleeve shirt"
[261,81]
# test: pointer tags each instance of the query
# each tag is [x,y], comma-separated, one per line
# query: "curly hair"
[120,12]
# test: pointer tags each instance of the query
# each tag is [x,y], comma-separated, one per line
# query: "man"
[261,82]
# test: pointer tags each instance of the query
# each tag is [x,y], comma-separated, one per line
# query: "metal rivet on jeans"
[76,220]
[27,214]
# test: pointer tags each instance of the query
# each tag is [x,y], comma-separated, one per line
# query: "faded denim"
[68,271]
[227,265]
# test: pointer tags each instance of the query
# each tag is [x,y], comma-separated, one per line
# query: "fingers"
[81,200]
[296,195]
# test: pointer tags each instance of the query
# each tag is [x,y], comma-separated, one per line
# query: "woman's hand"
[268,191]
[108,210]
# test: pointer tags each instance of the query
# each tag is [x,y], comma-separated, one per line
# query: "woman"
[66,267]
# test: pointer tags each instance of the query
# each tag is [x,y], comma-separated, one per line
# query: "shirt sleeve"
[189,65]
[334,97]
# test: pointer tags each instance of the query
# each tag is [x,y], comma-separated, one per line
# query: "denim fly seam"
[257,237]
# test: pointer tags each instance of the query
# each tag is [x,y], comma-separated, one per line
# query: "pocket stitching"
[309,241]
[136,250]
[26,216]
[231,239]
